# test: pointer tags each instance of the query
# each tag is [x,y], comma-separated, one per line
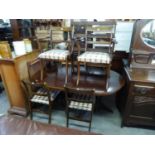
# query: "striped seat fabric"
[55,54]
[95,57]
[44,99]
[80,105]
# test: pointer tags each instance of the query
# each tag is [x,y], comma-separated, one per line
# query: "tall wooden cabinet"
[137,101]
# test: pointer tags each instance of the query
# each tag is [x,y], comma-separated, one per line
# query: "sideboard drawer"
[144,90]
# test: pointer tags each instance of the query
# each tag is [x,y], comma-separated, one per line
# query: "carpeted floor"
[103,122]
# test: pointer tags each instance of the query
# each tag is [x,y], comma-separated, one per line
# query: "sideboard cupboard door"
[140,101]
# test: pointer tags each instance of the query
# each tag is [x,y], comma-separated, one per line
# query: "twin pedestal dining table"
[94,79]
[56,80]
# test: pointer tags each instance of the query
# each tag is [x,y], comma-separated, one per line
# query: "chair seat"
[44,99]
[95,57]
[55,54]
[80,105]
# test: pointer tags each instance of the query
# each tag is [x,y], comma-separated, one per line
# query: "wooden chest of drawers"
[139,103]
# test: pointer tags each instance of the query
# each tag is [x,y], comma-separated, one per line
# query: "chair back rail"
[80,94]
[100,37]
[34,69]
[60,35]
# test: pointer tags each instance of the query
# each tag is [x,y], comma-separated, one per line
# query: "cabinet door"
[142,109]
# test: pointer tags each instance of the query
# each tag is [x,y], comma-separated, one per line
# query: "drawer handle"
[143,91]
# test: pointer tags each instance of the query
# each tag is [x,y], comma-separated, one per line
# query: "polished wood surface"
[90,81]
[138,97]
[141,75]
[11,83]
[12,72]
[21,63]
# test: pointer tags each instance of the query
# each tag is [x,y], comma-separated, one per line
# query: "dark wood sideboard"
[138,97]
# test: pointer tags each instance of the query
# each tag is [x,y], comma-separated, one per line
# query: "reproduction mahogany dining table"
[87,81]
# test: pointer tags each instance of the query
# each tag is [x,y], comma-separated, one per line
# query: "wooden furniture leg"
[78,76]
[67,121]
[72,63]
[107,82]
[108,71]
[66,79]
[42,69]
[50,114]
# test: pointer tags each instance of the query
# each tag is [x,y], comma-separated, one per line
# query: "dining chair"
[79,105]
[99,47]
[40,98]
[61,45]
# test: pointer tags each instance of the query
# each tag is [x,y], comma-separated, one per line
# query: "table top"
[91,81]
[140,74]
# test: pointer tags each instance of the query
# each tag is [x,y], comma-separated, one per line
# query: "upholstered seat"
[80,105]
[37,98]
[55,54]
[95,57]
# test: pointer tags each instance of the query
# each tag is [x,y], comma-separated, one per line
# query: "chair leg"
[31,115]
[56,68]
[50,114]
[67,120]
[67,117]
[107,76]
[108,71]
[78,76]
[89,126]
[72,64]
[107,84]
[66,79]
[86,68]
[67,124]
[42,69]
[30,110]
